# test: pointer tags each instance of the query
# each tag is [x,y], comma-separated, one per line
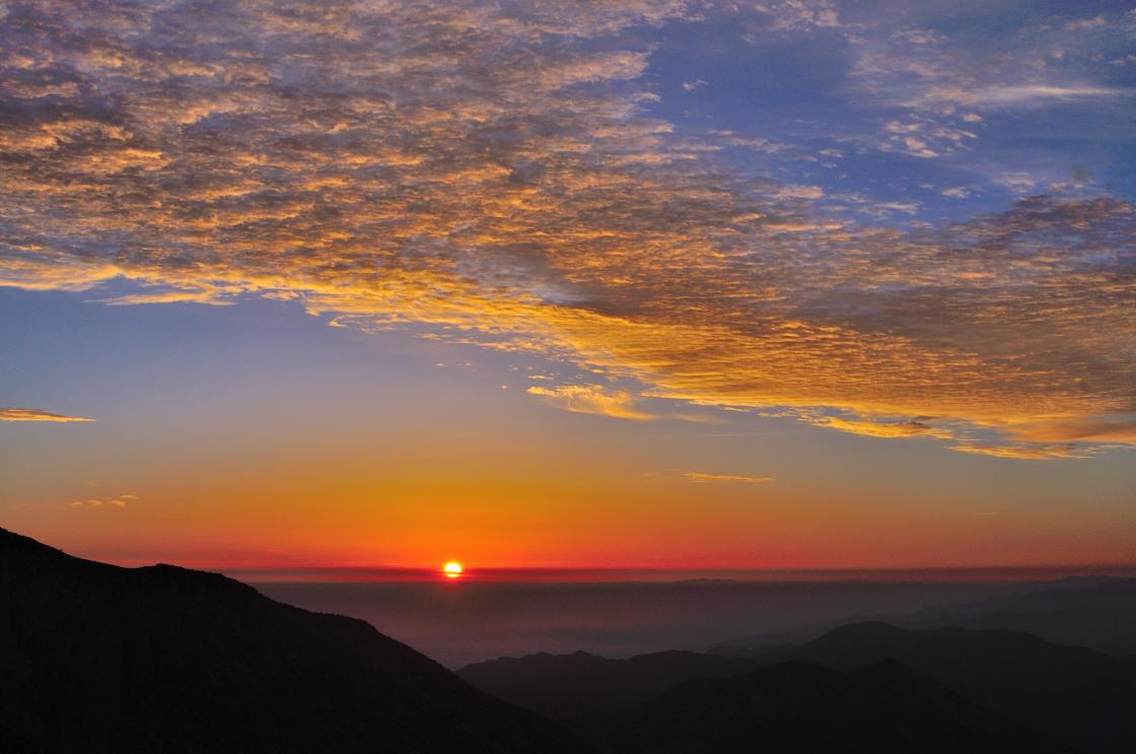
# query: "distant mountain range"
[1097,612]
[96,659]
[1004,688]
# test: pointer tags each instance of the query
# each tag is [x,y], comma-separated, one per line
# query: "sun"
[452,569]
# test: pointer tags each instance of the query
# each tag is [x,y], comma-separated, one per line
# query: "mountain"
[1077,698]
[801,708]
[96,658]
[1074,695]
[582,688]
[1099,613]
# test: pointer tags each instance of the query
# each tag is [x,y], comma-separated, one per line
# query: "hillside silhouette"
[96,658]
[583,687]
[801,708]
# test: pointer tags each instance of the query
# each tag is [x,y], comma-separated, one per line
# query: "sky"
[631,283]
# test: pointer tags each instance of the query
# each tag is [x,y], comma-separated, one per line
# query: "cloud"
[1024,94]
[114,502]
[802,15]
[700,477]
[592,399]
[924,65]
[1100,429]
[1096,22]
[1023,452]
[36,415]
[885,429]
[493,173]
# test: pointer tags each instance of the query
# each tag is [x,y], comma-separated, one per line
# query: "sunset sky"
[649,283]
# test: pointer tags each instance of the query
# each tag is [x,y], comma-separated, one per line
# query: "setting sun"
[453,569]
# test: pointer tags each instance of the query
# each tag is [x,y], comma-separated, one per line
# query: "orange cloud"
[913,428]
[1097,429]
[699,476]
[592,399]
[36,415]
[1022,452]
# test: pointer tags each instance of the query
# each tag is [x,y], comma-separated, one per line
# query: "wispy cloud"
[700,477]
[592,399]
[1022,94]
[1096,22]
[887,429]
[37,415]
[1023,452]
[1120,428]
[112,502]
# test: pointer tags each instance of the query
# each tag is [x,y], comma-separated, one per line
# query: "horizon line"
[333,574]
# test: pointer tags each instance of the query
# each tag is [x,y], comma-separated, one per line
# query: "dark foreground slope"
[800,708]
[95,658]
[582,688]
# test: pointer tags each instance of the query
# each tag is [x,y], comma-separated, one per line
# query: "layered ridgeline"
[1098,612]
[884,687]
[96,658]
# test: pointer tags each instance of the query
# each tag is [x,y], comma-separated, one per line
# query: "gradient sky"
[797,283]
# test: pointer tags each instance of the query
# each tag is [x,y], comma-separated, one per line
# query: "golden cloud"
[901,429]
[484,174]
[592,399]
[1022,452]
[699,476]
[36,415]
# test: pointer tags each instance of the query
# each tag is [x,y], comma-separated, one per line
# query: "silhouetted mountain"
[800,708]
[1078,696]
[1080,699]
[582,687]
[95,658]
[1099,613]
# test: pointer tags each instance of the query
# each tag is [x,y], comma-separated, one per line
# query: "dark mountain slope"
[582,687]
[1082,697]
[95,658]
[800,708]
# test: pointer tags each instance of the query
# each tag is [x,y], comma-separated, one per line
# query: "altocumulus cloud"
[489,173]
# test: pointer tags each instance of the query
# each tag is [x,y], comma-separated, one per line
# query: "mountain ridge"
[97,658]
[1073,695]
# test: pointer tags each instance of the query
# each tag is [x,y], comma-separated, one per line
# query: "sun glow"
[452,569]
